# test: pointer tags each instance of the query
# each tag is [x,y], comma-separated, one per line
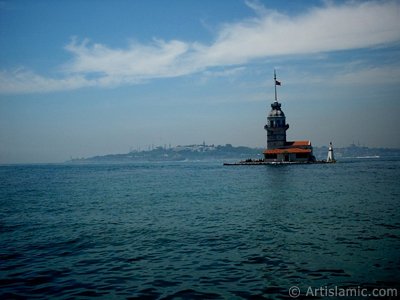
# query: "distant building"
[278,149]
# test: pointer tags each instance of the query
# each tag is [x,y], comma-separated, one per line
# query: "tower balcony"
[276,128]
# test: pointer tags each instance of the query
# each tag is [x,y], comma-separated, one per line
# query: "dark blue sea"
[198,230]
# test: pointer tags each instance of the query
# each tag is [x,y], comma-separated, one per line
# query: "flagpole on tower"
[276,98]
[276,83]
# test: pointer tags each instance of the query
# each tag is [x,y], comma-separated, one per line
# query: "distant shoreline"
[203,152]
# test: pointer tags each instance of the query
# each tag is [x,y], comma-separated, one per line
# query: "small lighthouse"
[330,158]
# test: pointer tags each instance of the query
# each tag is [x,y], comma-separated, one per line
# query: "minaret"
[330,158]
[276,123]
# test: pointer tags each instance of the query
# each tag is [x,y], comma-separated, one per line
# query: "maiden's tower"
[278,148]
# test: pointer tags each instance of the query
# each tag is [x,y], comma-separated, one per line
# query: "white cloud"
[161,59]
[22,80]
[333,27]
[324,29]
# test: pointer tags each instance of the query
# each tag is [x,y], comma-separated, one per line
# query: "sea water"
[197,230]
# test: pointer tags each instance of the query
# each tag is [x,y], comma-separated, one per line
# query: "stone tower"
[276,127]
[276,124]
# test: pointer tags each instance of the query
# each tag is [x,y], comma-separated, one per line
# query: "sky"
[86,78]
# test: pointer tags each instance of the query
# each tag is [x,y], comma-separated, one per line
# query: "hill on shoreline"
[226,152]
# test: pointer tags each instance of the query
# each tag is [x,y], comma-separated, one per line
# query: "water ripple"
[196,231]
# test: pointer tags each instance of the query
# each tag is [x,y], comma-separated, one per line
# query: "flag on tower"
[277,82]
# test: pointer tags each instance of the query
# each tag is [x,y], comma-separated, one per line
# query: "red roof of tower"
[286,151]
